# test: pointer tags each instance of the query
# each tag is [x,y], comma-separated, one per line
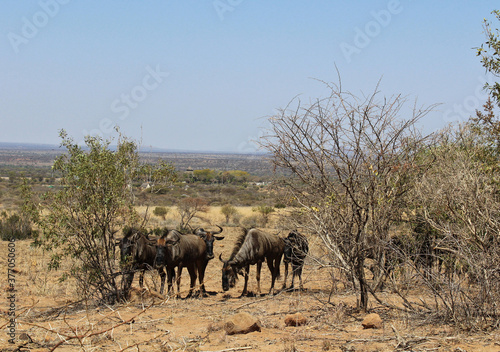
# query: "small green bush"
[160,212]
[228,211]
[15,227]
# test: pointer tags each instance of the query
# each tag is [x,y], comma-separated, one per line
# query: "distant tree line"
[208,176]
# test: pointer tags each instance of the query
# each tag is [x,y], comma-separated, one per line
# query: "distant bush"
[160,212]
[15,227]
[228,211]
[280,206]
[252,221]
[189,208]
[236,220]
[265,211]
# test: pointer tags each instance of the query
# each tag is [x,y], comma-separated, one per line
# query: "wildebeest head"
[127,245]
[209,237]
[229,274]
[167,247]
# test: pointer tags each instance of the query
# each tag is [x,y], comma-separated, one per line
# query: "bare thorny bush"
[415,211]
[459,199]
[352,162]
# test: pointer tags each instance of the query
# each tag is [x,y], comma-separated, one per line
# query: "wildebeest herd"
[173,250]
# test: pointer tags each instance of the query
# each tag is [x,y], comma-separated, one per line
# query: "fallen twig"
[401,341]
[232,349]
[141,342]
[66,338]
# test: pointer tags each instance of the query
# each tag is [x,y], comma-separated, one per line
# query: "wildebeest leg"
[193,276]
[201,277]
[170,278]
[299,274]
[162,279]
[259,267]
[272,269]
[247,269]
[141,278]
[286,274]
[178,280]
[294,273]
[127,282]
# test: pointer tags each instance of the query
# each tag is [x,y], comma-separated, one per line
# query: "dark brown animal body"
[296,249]
[137,253]
[175,249]
[253,247]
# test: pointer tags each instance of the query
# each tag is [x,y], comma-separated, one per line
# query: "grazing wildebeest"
[137,252]
[253,247]
[175,249]
[296,249]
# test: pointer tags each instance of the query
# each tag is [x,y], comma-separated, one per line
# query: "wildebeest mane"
[239,243]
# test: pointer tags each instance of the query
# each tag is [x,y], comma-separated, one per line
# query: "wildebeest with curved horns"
[137,252]
[209,237]
[296,249]
[253,247]
[191,251]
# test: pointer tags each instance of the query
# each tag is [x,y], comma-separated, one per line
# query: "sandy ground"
[149,323]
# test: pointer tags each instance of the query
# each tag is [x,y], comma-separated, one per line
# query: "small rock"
[372,321]
[242,323]
[296,319]
[25,337]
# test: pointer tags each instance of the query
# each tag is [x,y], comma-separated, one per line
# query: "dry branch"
[87,334]
[232,349]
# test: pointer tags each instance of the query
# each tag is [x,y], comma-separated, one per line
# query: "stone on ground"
[296,319]
[242,323]
[372,321]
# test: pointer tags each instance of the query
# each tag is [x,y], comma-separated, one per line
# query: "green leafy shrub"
[160,212]
[15,227]
[228,211]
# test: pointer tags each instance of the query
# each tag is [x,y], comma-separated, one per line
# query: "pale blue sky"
[203,75]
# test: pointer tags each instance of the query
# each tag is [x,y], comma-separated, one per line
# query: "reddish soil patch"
[171,324]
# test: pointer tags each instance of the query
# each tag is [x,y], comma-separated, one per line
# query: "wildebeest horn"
[195,231]
[220,228]
[220,258]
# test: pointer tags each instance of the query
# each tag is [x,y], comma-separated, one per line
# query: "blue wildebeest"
[296,249]
[253,247]
[191,251]
[209,237]
[137,252]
